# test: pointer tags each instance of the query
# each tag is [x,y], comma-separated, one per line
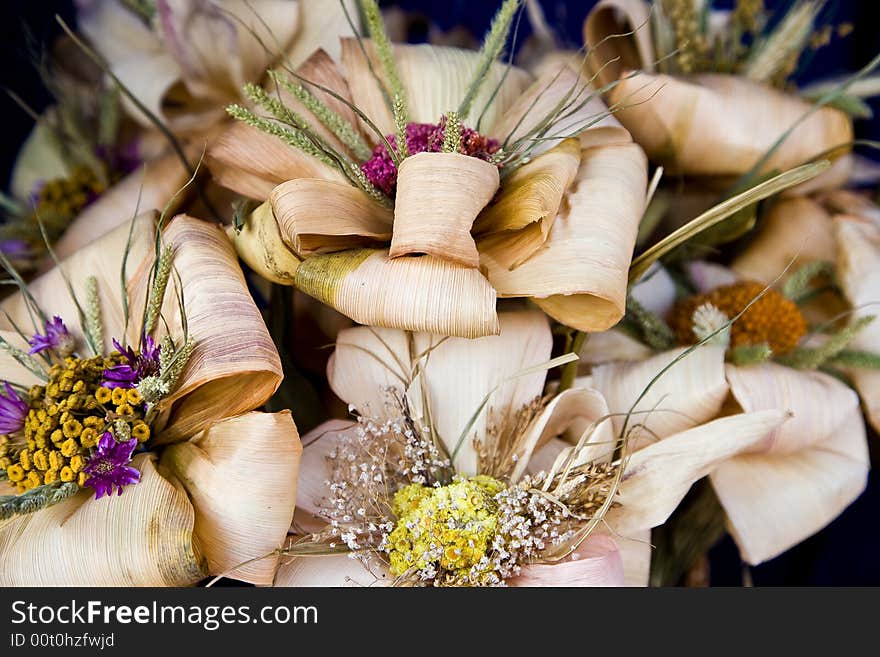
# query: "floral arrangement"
[587,311]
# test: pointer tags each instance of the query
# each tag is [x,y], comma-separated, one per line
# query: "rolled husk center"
[140,538]
[241,475]
[411,293]
[320,216]
[439,195]
[722,125]
[613,18]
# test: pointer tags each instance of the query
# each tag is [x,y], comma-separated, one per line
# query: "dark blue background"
[846,552]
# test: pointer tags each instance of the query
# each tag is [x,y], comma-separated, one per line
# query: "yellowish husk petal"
[722,125]
[320,216]
[608,57]
[438,197]
[260,245]
[140,538]
[580,275]
[241,476]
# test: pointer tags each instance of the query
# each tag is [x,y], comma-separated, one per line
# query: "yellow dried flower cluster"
[447,528]
[773,319]
[65,197]
[67,418]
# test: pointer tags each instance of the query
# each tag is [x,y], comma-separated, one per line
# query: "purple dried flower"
[15,248]
[108,466]
[138,365]
[13,410]
[422,138]
[57,337]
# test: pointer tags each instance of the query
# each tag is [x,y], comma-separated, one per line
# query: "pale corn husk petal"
[689,393]
[459,374]
[858,257]
[558,88]
[365,363]
[260,245]
[252,163]
[635,552]
[573,412]
[613,345]
[322,25]
[580,275]
[617,17]
[101,259]
[241,475]
[140,538]
[795,231]
[39,159]
[845,201]
[331,571]
[655,291]
[658,477]
[805,472]
[413,293]
[722,125]
[320,216]
[318,444]
[436,79]
[530,198]
[151,188]
[438,197]
[235,366]
[706,276]
[597,562]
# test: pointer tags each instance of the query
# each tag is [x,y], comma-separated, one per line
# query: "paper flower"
[471,442]
[215,483]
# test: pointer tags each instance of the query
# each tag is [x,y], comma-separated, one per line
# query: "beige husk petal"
[331,571]
[597,562]
[613,345]
[243,156]
[858,268]
[241,476]
[322,24]
[579,277]
[558,90]
[140,538]
[572,412]
[801,475]
[435,78]
[438,197]
[689,393]
[150,188]
[658,477]
[318,444]
[794,231]
[531,195]
[617,17]
[101,259]
[320,216]
[415,293]
[722,125]
[235,366]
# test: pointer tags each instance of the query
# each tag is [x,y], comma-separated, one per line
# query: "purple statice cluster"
[423,138]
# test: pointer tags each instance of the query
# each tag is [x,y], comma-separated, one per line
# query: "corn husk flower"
[712,94]
[474,483]
[131,454]
[82,170]
[783,351]
[508,186]
[185,60]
